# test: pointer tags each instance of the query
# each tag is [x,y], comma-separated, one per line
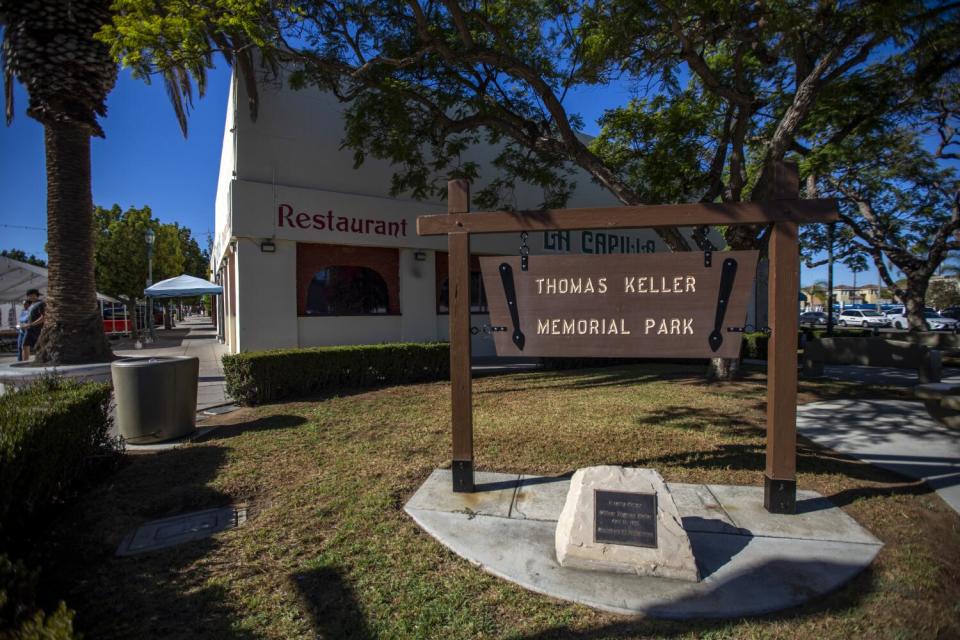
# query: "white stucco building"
[312,252]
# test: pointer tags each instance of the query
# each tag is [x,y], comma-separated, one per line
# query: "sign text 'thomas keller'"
[660,305]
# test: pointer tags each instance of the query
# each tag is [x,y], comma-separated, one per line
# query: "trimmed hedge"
[755,344]
[21,618]
[266,376]
[49,432]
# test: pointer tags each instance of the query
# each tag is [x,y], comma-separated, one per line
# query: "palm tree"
[816,290]
[49,46]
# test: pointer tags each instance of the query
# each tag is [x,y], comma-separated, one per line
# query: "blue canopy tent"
[182,287]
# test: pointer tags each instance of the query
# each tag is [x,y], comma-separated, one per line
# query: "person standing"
[22,320]
[34,322]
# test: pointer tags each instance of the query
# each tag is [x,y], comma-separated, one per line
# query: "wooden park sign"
[694,308]
[680,305]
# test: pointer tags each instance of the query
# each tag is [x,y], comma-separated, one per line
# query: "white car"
[934,321]
[862,318]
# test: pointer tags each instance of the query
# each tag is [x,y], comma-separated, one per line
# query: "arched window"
[347,291]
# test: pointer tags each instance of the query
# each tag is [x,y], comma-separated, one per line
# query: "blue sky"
[145,160]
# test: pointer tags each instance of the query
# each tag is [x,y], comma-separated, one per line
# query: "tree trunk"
[723,369]
[913,304]
[73,329]
[131,308]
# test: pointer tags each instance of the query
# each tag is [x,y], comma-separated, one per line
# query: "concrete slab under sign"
[752,562]
[187,527]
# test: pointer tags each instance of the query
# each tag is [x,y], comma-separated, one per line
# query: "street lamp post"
[150,236]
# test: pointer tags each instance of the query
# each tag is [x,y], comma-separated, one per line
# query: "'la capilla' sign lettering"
[659,305]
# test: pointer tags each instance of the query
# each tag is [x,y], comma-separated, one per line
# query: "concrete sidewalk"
[893,434]
[195,336]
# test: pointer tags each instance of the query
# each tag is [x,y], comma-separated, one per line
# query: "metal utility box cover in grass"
[785,212]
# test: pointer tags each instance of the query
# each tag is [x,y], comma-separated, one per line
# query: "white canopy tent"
[15,279]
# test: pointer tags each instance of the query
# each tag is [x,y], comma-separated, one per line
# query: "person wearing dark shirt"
[22,320]
[34,322]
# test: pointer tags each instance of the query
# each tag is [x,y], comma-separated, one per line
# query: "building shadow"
[167,593]
[272,423]
[333,608]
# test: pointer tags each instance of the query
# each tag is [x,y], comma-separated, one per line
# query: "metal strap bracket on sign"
[748,328]
[703,242]
[486,329]
[506,277]
[727,276]
[524,251]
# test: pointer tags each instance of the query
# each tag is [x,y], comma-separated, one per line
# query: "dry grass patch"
[328,551]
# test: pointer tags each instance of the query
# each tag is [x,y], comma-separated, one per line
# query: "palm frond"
[7,83]
[170,82]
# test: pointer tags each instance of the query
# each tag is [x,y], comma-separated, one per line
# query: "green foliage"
[49,433]
[121,252]
[662,146]
[265,376]
[21,256]
[176,40]
[20,616]
[755,344]
[722,90]
[943,293]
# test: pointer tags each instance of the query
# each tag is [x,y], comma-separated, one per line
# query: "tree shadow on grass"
[578,379]
[698,419]
[333,608]
[173,592]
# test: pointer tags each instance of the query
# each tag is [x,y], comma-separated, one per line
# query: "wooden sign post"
[688,320]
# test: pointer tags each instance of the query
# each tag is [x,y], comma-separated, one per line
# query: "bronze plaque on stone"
[678,305]
[621,517]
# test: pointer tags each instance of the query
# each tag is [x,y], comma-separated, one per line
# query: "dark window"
[347,291]
[478,296]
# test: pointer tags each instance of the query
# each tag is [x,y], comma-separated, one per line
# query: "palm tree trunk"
[73,329]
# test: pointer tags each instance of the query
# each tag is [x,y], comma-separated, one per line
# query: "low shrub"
[52,434]
[49,434]
[21,618]
[265,376]
[755,344]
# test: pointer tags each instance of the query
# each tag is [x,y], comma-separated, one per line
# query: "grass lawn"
[328,551]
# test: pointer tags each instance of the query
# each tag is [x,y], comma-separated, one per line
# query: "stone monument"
[623,520]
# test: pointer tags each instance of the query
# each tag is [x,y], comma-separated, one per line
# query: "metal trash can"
[156,397]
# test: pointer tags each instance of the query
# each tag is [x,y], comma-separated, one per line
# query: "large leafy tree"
[49,46]
[899,191]
[724,89]
[121,257]
[22,256]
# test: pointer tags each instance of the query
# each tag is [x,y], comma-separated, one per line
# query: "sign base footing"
[779,496]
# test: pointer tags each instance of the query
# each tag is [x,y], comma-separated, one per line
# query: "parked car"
[951,312]
[933,320]
[813,318]
[862,318]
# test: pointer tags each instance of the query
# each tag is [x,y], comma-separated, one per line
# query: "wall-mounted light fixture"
[267,246]
[420,256]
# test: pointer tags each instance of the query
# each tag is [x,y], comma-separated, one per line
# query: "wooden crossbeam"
[633,217]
